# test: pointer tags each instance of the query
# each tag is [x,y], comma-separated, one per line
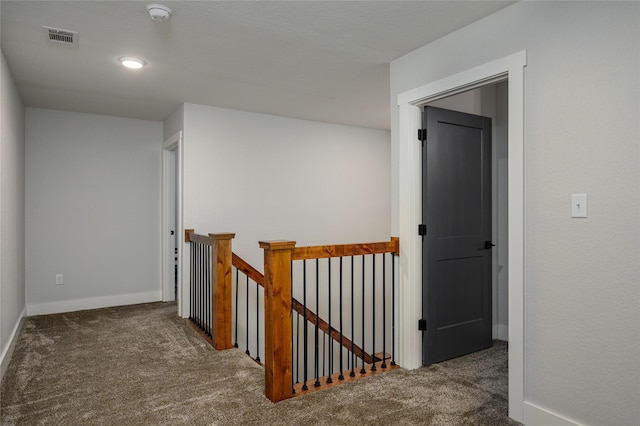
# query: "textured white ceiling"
[317,60]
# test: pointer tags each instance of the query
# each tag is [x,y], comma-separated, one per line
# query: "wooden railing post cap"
[223,236]
[277,245]
[396,241]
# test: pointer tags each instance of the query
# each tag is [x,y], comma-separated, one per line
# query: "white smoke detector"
[159,12]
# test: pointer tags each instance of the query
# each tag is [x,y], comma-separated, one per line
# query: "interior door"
[456,249]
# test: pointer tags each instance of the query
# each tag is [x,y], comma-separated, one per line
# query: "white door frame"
[410,105]
[174,143]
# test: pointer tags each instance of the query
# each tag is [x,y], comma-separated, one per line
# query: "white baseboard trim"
[93,303]
[503,332]
[538,416]
[5,358]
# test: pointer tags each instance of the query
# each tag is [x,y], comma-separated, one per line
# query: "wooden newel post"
[221,291]
[278,362]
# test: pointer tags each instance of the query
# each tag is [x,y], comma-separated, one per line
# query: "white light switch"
[578,205]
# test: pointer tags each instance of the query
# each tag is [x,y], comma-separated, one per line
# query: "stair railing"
[210,286]
[214,310]
[282,278]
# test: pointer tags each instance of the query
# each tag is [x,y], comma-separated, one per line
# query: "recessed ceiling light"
[159,12]
[131,62]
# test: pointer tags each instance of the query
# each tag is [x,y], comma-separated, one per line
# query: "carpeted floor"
[142,365]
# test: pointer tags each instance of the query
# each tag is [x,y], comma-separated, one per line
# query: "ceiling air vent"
[58,35]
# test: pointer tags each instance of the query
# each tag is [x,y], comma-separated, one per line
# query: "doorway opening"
[509,69]
[481,305]
[172,228]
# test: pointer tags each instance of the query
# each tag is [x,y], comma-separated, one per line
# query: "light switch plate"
[578,205]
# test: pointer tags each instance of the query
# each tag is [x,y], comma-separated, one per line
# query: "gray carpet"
[142,365]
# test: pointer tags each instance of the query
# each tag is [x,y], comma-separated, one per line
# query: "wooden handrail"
[191,236]
[322,252]
[244,267]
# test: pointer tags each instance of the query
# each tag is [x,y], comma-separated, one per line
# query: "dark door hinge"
[422,324]
[422,135]
[422,229]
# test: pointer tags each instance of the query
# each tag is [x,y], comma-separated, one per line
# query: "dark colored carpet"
[142,365]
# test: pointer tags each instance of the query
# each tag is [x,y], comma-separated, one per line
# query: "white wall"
[12,284]
[582,316]
[92,210]
[267,177]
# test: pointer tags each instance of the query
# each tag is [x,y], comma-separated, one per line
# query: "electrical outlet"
[59,279]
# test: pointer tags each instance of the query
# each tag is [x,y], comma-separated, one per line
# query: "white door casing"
[410,105]
[172,152]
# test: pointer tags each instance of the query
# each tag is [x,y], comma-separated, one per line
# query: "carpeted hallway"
[142,365]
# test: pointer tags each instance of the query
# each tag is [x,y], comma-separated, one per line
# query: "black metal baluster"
[293,359]
[330,360]
[207,297]
[257,323]
[298,348]
[207,289]
[317,346]
[199,289]
[324,341]
[194,295]
[304,304]
[192,270]
[203,289]
[362,370]
[373,312]
[393,309]
[203,277]
[236,324]
[353,337]
[192,279]
[198,279]
[341,376]
[384,311]
[212,270]
[198,284]
[210,294]
[247,333]
[205,270]
[201,299]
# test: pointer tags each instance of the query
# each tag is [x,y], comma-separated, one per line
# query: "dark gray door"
[456,209]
